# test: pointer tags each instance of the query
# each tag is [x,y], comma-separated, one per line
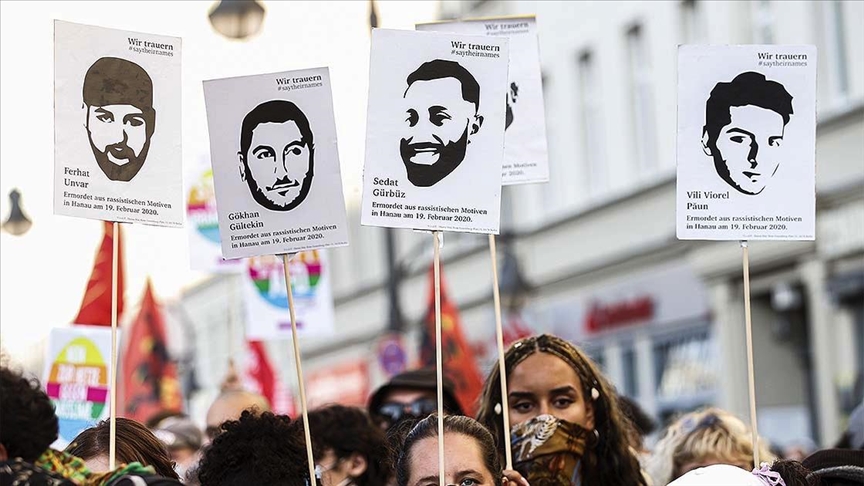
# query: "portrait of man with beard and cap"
[442,102]
[277,154]
[120,118]
[745,122]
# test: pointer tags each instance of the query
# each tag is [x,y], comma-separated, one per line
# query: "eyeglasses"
[392,412]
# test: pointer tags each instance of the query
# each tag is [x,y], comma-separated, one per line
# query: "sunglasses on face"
[392,412]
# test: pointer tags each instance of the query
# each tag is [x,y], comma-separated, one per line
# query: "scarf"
[73,469]
[548,451]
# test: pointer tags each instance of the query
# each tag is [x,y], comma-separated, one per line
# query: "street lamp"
[373,15]
[17,223]
[237,19]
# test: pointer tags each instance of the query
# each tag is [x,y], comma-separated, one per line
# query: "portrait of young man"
[277,155]
[745,122]
[120,118]
[442,102]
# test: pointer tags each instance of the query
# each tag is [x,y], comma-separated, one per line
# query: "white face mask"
[181,470]
[319,474]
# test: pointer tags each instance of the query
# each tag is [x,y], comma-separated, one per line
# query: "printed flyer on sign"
[526,158]
[435,131]
[77,379]
[117,129]
[275,163]
[266,299]
[205,249]
[746,142]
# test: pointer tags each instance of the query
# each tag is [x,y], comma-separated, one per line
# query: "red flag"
[149,376]
[261,371]
[96,305]
[459,363]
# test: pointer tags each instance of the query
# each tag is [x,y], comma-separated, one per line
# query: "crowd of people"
[568,426]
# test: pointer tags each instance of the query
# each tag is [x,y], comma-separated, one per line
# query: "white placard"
[77,378]
[275,163]
[526,158]
[746,142]
[117,129]
[205,247]
[435,131]
[266,300]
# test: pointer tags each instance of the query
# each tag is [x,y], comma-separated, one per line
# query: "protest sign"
[525,155]
[265,296]
[77,377]
[275,163]
[746,142]
[117,129]
[435,131]
[205,250]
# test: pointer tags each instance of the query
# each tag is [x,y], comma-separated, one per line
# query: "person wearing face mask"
[348,448]
[566,425]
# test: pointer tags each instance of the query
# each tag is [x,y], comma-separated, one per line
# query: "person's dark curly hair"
[349,430]
[28,424]
[793,473]
[263,449]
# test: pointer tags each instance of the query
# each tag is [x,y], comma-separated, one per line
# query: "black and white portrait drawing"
[746,142]
[525,151]
[275,160]
[512,95]
[435,131]
[120,118]
[745,123]
[277,155]
[442,114]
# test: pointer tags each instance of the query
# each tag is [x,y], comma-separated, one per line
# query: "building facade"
[597,246]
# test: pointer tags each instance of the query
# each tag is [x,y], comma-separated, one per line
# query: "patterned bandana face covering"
[547,451]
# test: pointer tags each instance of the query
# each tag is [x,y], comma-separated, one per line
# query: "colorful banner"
[77,379]
[266,299]
[435,131]
[526,157]
[117,128]
[205,251]
[746,142]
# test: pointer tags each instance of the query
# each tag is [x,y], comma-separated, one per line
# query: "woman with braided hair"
[566,426]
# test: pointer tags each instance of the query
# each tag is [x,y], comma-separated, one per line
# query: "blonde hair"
[710,435]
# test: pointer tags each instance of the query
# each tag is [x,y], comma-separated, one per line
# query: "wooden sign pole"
[751,374]
[502,372]
[115,265]
[309,455]
[439,365]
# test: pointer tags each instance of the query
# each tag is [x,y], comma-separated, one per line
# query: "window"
[763,22]
[834,40]
[685,370]
[692,25]
[591,114]
[644,142]
[631,373]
